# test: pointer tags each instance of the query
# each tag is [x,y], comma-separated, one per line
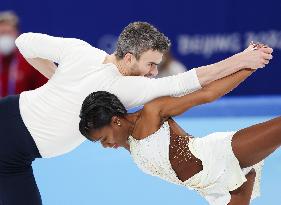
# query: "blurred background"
[202,32]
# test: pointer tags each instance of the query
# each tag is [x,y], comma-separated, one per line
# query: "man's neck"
[118,63]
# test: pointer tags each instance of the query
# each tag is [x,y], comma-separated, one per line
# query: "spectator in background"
[170,66]
[16,75]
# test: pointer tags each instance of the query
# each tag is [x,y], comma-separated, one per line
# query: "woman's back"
[206,164]
[166,153]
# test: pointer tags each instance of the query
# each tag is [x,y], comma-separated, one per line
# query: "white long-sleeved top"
[51,112]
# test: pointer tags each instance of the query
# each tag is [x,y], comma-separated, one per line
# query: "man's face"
[147,64]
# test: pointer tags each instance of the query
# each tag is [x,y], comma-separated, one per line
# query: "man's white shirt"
[51,112]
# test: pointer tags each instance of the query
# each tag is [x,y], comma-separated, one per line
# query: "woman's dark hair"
[97,110]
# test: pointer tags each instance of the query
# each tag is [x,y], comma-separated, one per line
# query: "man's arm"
[45,67]
[42,50]
[136,90]
[247,59]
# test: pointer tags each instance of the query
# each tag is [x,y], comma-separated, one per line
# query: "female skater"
[214,165]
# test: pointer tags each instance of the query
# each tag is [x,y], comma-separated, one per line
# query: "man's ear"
[129,59]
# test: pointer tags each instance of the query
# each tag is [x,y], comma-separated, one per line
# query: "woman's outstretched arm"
[172,106]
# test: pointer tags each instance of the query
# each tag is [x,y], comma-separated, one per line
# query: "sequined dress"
[221,171]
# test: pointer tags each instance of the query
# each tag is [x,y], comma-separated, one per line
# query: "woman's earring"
[119,123]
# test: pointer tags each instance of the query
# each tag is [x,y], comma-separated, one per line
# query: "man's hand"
[256,56]
[242,195]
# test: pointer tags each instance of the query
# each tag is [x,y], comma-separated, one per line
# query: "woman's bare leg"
[242,195]
[255,143]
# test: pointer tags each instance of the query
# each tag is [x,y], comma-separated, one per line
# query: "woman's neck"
[132,119]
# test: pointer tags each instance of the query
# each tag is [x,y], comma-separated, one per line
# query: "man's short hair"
[139,37]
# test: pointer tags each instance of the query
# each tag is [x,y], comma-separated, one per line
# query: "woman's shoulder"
[147,124]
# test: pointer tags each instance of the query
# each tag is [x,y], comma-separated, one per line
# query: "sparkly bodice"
[151,155]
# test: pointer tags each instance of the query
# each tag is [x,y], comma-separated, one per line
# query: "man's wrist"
[238,62]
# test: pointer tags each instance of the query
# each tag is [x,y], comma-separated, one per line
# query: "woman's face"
[113,135]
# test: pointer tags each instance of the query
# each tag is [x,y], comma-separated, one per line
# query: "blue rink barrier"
[238,107]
